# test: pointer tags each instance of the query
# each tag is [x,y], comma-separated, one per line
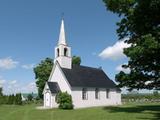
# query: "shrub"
[64,100]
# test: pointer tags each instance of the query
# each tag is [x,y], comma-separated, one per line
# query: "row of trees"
[10,99]
[155,96]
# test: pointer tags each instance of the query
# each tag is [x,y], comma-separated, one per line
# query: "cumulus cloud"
[2,81]
[8,63]
[15,86]
[13,82]
[115,51]
[28,66]
[30,87]
[120,68]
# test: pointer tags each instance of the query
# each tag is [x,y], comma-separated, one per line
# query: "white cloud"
[2,82]
[114,52]
[15,86]
[13,82]
[28,66]
[120,68]
[30,87]
[7,63]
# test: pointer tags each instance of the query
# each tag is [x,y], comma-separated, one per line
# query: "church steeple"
[63,51]
[62,36]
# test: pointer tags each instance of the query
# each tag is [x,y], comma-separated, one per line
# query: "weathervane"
[62,14]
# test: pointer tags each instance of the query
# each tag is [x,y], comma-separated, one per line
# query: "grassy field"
[149,111]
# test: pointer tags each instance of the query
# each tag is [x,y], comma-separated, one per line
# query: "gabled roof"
[82,76]
[53,87]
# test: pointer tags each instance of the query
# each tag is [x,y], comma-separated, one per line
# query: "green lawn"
[126,112]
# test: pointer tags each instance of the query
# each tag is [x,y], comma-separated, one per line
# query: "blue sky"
[29,31]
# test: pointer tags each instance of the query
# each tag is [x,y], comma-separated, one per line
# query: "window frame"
[97,93]
[107,93]
[84,94]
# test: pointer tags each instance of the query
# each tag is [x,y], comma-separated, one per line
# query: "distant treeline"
[139,97]
[10,99]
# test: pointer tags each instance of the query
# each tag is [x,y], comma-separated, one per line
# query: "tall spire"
[62,50]
[62,37]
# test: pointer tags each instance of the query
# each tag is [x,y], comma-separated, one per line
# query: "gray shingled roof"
[53,86]
[82,76]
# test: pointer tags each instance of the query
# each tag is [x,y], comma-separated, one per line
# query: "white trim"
[44,88]
[57,64]
[50,99]
[53,68]
[64,75]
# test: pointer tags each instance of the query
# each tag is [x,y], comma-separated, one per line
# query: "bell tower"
[62,50]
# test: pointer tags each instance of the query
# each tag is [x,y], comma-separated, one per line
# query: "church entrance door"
[48,100]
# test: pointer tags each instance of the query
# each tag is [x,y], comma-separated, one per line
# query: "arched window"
[65,51]
[96,93]
[58,52]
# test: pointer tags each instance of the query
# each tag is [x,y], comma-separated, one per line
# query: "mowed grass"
[147,111]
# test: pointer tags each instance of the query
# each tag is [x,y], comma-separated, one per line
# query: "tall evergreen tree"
[1,96]
[18,99]
[11,99]
[1,91]
[140,22]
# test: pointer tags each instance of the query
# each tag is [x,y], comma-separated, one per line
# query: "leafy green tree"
[76,60]
[42,72]
[64,100]
[140,22]
[30,97]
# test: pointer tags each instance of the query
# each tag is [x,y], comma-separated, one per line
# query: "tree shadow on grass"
[149,109]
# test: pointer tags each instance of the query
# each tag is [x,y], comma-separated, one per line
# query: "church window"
[58,52]
[65,51]
[97,93]
[107,93]
[84,94]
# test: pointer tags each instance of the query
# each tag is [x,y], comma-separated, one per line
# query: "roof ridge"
[88,67]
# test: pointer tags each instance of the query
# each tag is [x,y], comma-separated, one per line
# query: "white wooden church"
[88,86]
